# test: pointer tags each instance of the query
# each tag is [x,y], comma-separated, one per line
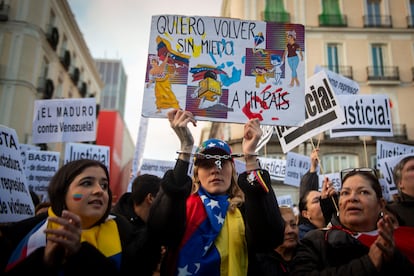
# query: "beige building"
[371,42]
[43,55]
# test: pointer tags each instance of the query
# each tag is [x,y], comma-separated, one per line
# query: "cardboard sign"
[386,166]
[340,84]
[322,112]
[76,151]
[40,168]
[15,200]
[296,166]
[364,115]
[226,70]
[64,120]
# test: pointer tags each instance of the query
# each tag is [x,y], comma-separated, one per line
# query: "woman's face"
[291,232]
[314,213]
[359,207]
[88,196]
[407,178]
[214,180]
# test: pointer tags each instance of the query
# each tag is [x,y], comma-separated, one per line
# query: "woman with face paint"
[77,235]
[213,223]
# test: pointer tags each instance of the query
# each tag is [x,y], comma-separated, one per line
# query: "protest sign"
[64,120]
[285,200]
[364,115]
[335,178]
[386,166]
[390,149]
[15,200]
[322,112]
[40,168]
[23,151]
[225,69]
[276,167]
[76,151]
[156,167]
[340,84]
[296,166]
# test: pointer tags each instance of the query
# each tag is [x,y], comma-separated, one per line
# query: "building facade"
[43,55]
[369,41]
[113,96]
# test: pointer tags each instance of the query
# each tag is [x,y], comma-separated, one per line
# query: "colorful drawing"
[292,57]
[261,74]
[277,71]
[158,75]
[224,70]
[209,92]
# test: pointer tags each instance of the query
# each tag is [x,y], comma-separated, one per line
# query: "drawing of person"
[276,61]
[292,57]
[159,75]
[261,74]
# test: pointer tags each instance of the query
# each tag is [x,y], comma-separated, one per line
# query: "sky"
[120,30]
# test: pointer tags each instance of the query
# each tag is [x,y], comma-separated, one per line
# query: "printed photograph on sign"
[225,70]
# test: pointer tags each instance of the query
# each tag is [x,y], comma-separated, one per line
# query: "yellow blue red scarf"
[214,240]
[105,237]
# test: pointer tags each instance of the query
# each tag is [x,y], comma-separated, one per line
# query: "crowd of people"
[215,221]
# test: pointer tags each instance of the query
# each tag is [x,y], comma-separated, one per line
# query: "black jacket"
[403,209]
[125,207]
[335,252]
[263,222]
[140,253]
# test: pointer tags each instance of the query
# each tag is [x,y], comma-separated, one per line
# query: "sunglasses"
[351,171]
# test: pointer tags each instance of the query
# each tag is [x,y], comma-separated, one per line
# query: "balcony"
[278,17]
[384,73]
[377,21]
[333,20]
[343,70]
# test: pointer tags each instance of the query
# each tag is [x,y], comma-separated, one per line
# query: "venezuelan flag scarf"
[214,240]
[105,237]
[403,238]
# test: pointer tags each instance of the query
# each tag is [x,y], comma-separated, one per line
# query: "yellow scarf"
[105,236]
[232,245]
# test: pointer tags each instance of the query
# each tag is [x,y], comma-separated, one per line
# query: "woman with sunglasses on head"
[360,241]
[215,223]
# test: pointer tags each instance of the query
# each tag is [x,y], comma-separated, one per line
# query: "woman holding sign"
[214,223]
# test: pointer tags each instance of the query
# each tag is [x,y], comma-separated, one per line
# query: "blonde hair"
[236,195]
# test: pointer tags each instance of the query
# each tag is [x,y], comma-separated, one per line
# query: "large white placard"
[15,200]
[322,112]
[64,120]
[226,69]
[365,115]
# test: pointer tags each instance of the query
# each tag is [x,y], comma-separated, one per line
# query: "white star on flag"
[213,203]
[220,219]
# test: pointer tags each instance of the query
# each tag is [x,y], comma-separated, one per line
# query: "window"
[374,12]
[378,59]
[333,52]
[332,163]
